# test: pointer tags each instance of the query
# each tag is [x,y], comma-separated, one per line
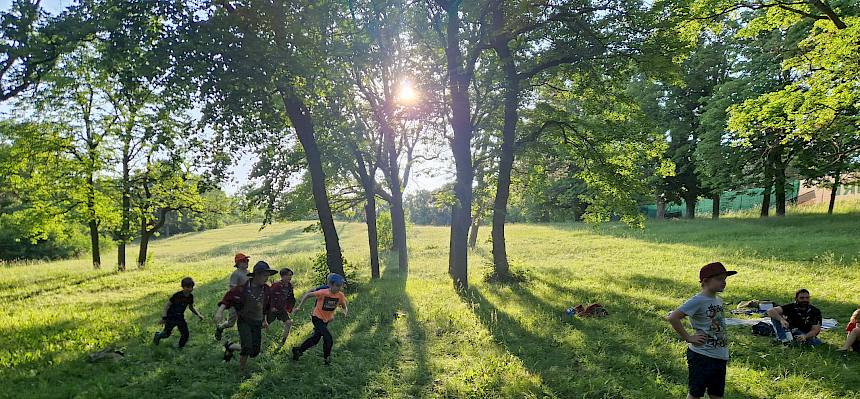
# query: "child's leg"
[168,329]
[328,341]
[183,330]
[288,325]
[232,316]
[851,339]
[243,362]
[314,339]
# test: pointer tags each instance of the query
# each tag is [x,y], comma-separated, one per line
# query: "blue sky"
[53,6]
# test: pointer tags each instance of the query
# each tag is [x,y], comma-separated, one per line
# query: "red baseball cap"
[240,257]
[713,269]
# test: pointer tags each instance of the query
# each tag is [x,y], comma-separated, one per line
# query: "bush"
[319,268]
[384,232]
[67,242]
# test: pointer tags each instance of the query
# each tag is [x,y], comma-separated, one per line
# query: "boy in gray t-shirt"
[707,349]
[238,278]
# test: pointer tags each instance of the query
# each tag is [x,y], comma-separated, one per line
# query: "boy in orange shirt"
[327,302]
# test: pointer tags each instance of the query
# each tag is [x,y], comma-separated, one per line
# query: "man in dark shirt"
[174,313]
[800,318]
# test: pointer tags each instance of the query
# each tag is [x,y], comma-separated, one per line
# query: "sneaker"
[296,353]
[156,339]
[327,361]
[219,333]
[228,353]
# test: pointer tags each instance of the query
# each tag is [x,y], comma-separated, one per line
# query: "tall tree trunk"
[93,223]
[501,267]
[833,190]
[661,207]
[473,232]
[144,246]
[768,187]
[778,170]
[372,234]
[398,216]
[715,207]
[779,190]
[691,207]
[368,183]
[300,118]
[458,87]
[125,223]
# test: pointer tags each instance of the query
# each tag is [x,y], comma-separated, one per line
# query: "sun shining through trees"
[407,94]
[472,169]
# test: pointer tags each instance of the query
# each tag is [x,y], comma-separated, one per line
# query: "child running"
[283,301]
[174,314]
[238,278]
[328,300]
[253,303]
[707,350]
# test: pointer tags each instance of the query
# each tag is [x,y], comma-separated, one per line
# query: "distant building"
[821,195]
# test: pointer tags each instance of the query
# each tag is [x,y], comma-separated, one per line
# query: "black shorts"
[706,374]
[250,336]
[856,346]
[279,315]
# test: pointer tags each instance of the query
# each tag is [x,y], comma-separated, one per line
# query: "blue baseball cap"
[336,279]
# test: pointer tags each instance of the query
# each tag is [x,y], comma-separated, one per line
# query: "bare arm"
[219,314]
[164,312]
[675,321]
[196,313]
[816,329]
[302,301]
[777,313]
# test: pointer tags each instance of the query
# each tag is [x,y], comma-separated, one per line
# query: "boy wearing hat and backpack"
[238,278]
[252,302]
[327,301]
[707,350]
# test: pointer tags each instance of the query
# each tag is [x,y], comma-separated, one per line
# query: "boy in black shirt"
[174,313]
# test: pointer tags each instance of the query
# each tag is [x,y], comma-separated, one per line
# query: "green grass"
[494,340]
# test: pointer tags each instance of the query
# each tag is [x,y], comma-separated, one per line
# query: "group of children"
[707,349]
[251,304]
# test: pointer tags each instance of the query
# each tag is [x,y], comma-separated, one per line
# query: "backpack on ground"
[763,329]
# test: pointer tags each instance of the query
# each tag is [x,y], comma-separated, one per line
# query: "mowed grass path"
[494,340]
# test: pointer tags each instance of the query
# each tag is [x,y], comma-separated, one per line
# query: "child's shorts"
[706,374]
[280,315]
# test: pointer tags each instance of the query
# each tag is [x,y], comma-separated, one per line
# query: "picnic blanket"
[826,324]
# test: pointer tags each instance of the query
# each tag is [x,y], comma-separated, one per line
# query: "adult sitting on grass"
[799,319]
[253,302]
[852,341]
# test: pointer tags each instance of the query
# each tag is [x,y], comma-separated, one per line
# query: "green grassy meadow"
[493,340]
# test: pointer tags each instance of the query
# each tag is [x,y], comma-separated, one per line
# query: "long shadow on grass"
[792,238]
[50,285]
[581,358]
[146,371]
[374,352]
